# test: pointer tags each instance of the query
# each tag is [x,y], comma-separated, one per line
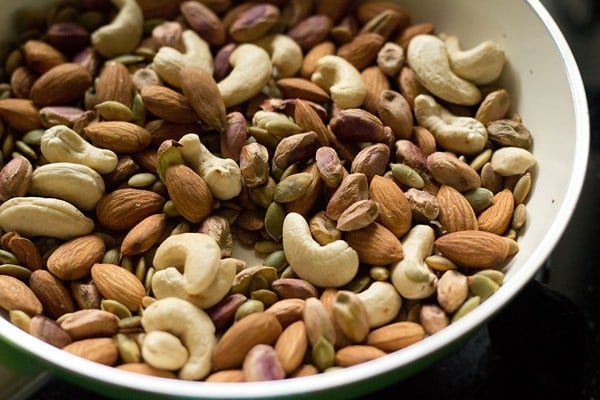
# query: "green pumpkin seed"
[33,137]
[267,246]
[128,59]
[439,263]
[248,307]
[129,350]
[265,296]
[493,274]
[358,284]
[479,198]
[481,159]
[379,273]
[130,323]
[6,257]
[292,187]
[469,305]
[138,110]
[522,188]
[20,319]
[290,170]
[142,179]
[274,220]
[16,271]
[169,209]
[116,308]
[323,353]
[276,260]
[407,175]
[482,286]
[112,256]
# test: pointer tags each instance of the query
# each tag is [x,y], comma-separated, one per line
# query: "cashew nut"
[76,183]
[123,34]
[168,61]
[191,325]
[507,161]
[342,80]
[462,135]
[382,303]
[411,277]
[480,65]
[62,144]
[163,350]
[286,54]
[251,72]
[427,56]
[332,265]
[222,175]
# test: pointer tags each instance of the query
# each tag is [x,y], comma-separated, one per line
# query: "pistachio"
[354,187]
[358,215]
[330,166]
[323,229]
[323,353]
[350,315]
[452,290]
[371,161]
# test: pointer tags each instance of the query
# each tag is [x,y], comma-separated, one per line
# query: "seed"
[115,307]
[482,286]
[274,220]
[379,273]
[323,354]
[407,176]
[466,308]
[522,188]
[276,260]
[16,271]
[142,179]
[249,307]
[519,216]
[292,187]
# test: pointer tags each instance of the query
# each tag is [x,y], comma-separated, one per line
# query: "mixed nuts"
[368,161]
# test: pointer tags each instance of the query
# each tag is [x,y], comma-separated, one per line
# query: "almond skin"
[473,248]
[74,258]
[52,293]
[188,191]
[21,114]
[362,50]
[357,354]
[456,214]
[115,84]
[168,104]
[375,245]
[118,136]
[302,88]
[291,346]
[117,283]
[145,369]
[144,235]
[201,90]
[61,85]
[497,217]
[396,336]
[124,208]
[100,350]
[41,57]
[394,209]
[15,295]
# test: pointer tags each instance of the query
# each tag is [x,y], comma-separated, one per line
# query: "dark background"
[546,343]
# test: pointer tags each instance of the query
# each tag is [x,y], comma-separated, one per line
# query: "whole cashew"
[342,80]
[286,54]
[163,350]
[382,302]
[168,61]
[62,144]
[191,325]
[427,56]
[251,72]
[332,265]
[480,65]
[411,277]
[123,34]
[222,175]
[76,183]
[463,135]
[41,216]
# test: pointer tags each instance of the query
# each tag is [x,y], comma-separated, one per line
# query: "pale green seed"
[148,279]
[114,111]
[466,308]
[407,175]
[248,307]
[128,59]
[439,263]
[169,209]
[323,353]
[290,170]
[274,217]
[20,319]
[414,312]
[276,260]
[129,350]
[513,246]
[522,188]
[481,159]
[127,263]
[6,257]
[138,110]
[141,269]
[519,216]
[16,271]
[267,246]
[293,187]
[182,227]
[116,308]
[265,296]
[130,323]
[378,273]
[358,284]
[8,144]
[482,286]
[33,137]
[263,195]
[142,179]
[90,20]
[25,150]
[288,272]
[146,52]
[479,198]
[254,278]
[112,256]
[493,274]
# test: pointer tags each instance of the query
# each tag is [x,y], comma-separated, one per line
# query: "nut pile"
[369,161]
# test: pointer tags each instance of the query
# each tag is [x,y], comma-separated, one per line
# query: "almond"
[24,249]
[124,208]
[168,104]
[287,311]
[396,336]
[15,295]
[236,342]
[497,217]
[144,235]
[424,139]
[375,245]
[41,57]
[117,283]
[205,98]
[306,203]
[303,89]
[227,376]
[20,114]
[362,50]
[188,191]
[472,248]
[74,258]
[115,84]
[394,209]
[448,169]
[357,354]
[456,214]
[370,9]
[309,64]
[61,85]
[21,81]
[118,136]
[308,119]
[100,350]
[146,369]
[291,346]
[52,293]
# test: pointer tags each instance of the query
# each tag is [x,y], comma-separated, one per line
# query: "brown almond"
[377,82]
[236,342]
[357,354]
[115,84]
[15,177]
[287,311]
[16,295]
[61,85]
[84,324]
[100,350]
[396,336]
[353,188]
[405,36]
[168,104]
[409,84]
[188,191]
[448,169]
[41,57]
[20,114]
[302,88]
[205,98]
[118,136]
[146,369]
[362,50]
[124,208]
[307,118]
[74,258]
[456,214]
[311,31]
[52,293]
[26,251]
[395,212]
[424,139]
[144,235]
[497,217]
[117,283]
[227,376]
[21,81]
[161,130]
[306,203]
[371,9]
[309,63]
[375,245]
[472,248]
